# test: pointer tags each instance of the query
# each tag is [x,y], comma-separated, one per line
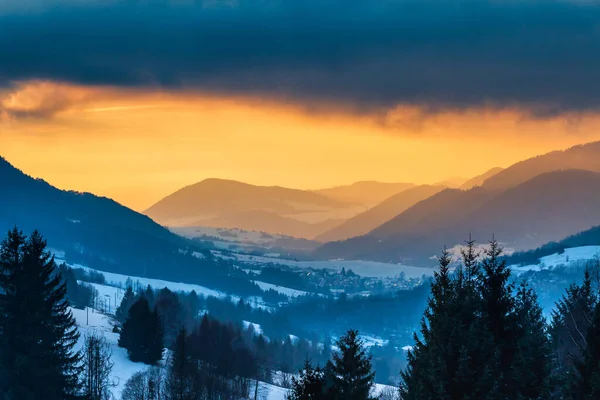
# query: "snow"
[363,268]
[257,329]
[91,320]
[569,257]
[114,279]
[520,269]
[109,297]
[272,392]
[294,339]
[370,341]
[281,289]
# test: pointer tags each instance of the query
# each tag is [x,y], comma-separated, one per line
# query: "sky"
[136,99]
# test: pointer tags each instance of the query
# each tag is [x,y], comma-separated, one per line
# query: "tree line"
[484,336]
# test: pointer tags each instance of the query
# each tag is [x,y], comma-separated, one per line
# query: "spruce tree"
[585,382]
[570,321]
[179,385]
[500,321]
[478,341]
[142,334]
[531,366]
[126,303]
[353,375]
[468,333]
[37,330]
[428,375]
[309,385]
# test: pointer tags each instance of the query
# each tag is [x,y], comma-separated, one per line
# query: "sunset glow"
[137,146]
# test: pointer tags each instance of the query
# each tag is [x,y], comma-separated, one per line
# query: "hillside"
[441,210]
[589,237]
[101,233]
[217,198]
[480,179]
[584,157]
[547,207]
[265,221]
[379,214]
[367,193]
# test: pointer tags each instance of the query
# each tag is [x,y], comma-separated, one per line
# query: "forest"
[482,335]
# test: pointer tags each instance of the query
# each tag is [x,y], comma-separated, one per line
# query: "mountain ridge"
[547,207]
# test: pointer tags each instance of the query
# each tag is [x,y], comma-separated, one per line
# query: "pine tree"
[531,366]
[179,385]
[469,333]
[499,319]
[353,375]
[310,384]
[477,341]
[37,330]
[126,303]
[585,383]
[149,295]
[156,339]
[427,375]
[570,321]
[142,334]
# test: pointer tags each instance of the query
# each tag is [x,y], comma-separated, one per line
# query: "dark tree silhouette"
[37,329]
[142,334]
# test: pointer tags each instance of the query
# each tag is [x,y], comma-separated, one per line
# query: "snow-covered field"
[569,257]
[364,268]
[583,253]
[91,320]
[281,289]
[115,283]
[157,284]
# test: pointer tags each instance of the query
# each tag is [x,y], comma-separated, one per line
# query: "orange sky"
[139,146]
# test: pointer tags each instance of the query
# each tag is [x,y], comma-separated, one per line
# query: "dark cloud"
[366,54]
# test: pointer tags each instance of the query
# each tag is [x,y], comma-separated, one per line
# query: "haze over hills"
[379,214]
[273,209]
[454,182]
[368,193]
[547,207]
[441,210]
[266,221]
[480,179]
[583,157]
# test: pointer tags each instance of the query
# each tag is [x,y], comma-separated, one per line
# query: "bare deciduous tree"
[97,365]
[147,385]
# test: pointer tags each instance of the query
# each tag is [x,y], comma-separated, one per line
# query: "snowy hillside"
[569,257]
[93,320]
[115,283]
[364,268]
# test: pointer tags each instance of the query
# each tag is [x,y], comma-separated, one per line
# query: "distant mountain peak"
[222,200]
[582,157]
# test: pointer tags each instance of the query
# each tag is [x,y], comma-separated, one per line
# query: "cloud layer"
[370,55]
